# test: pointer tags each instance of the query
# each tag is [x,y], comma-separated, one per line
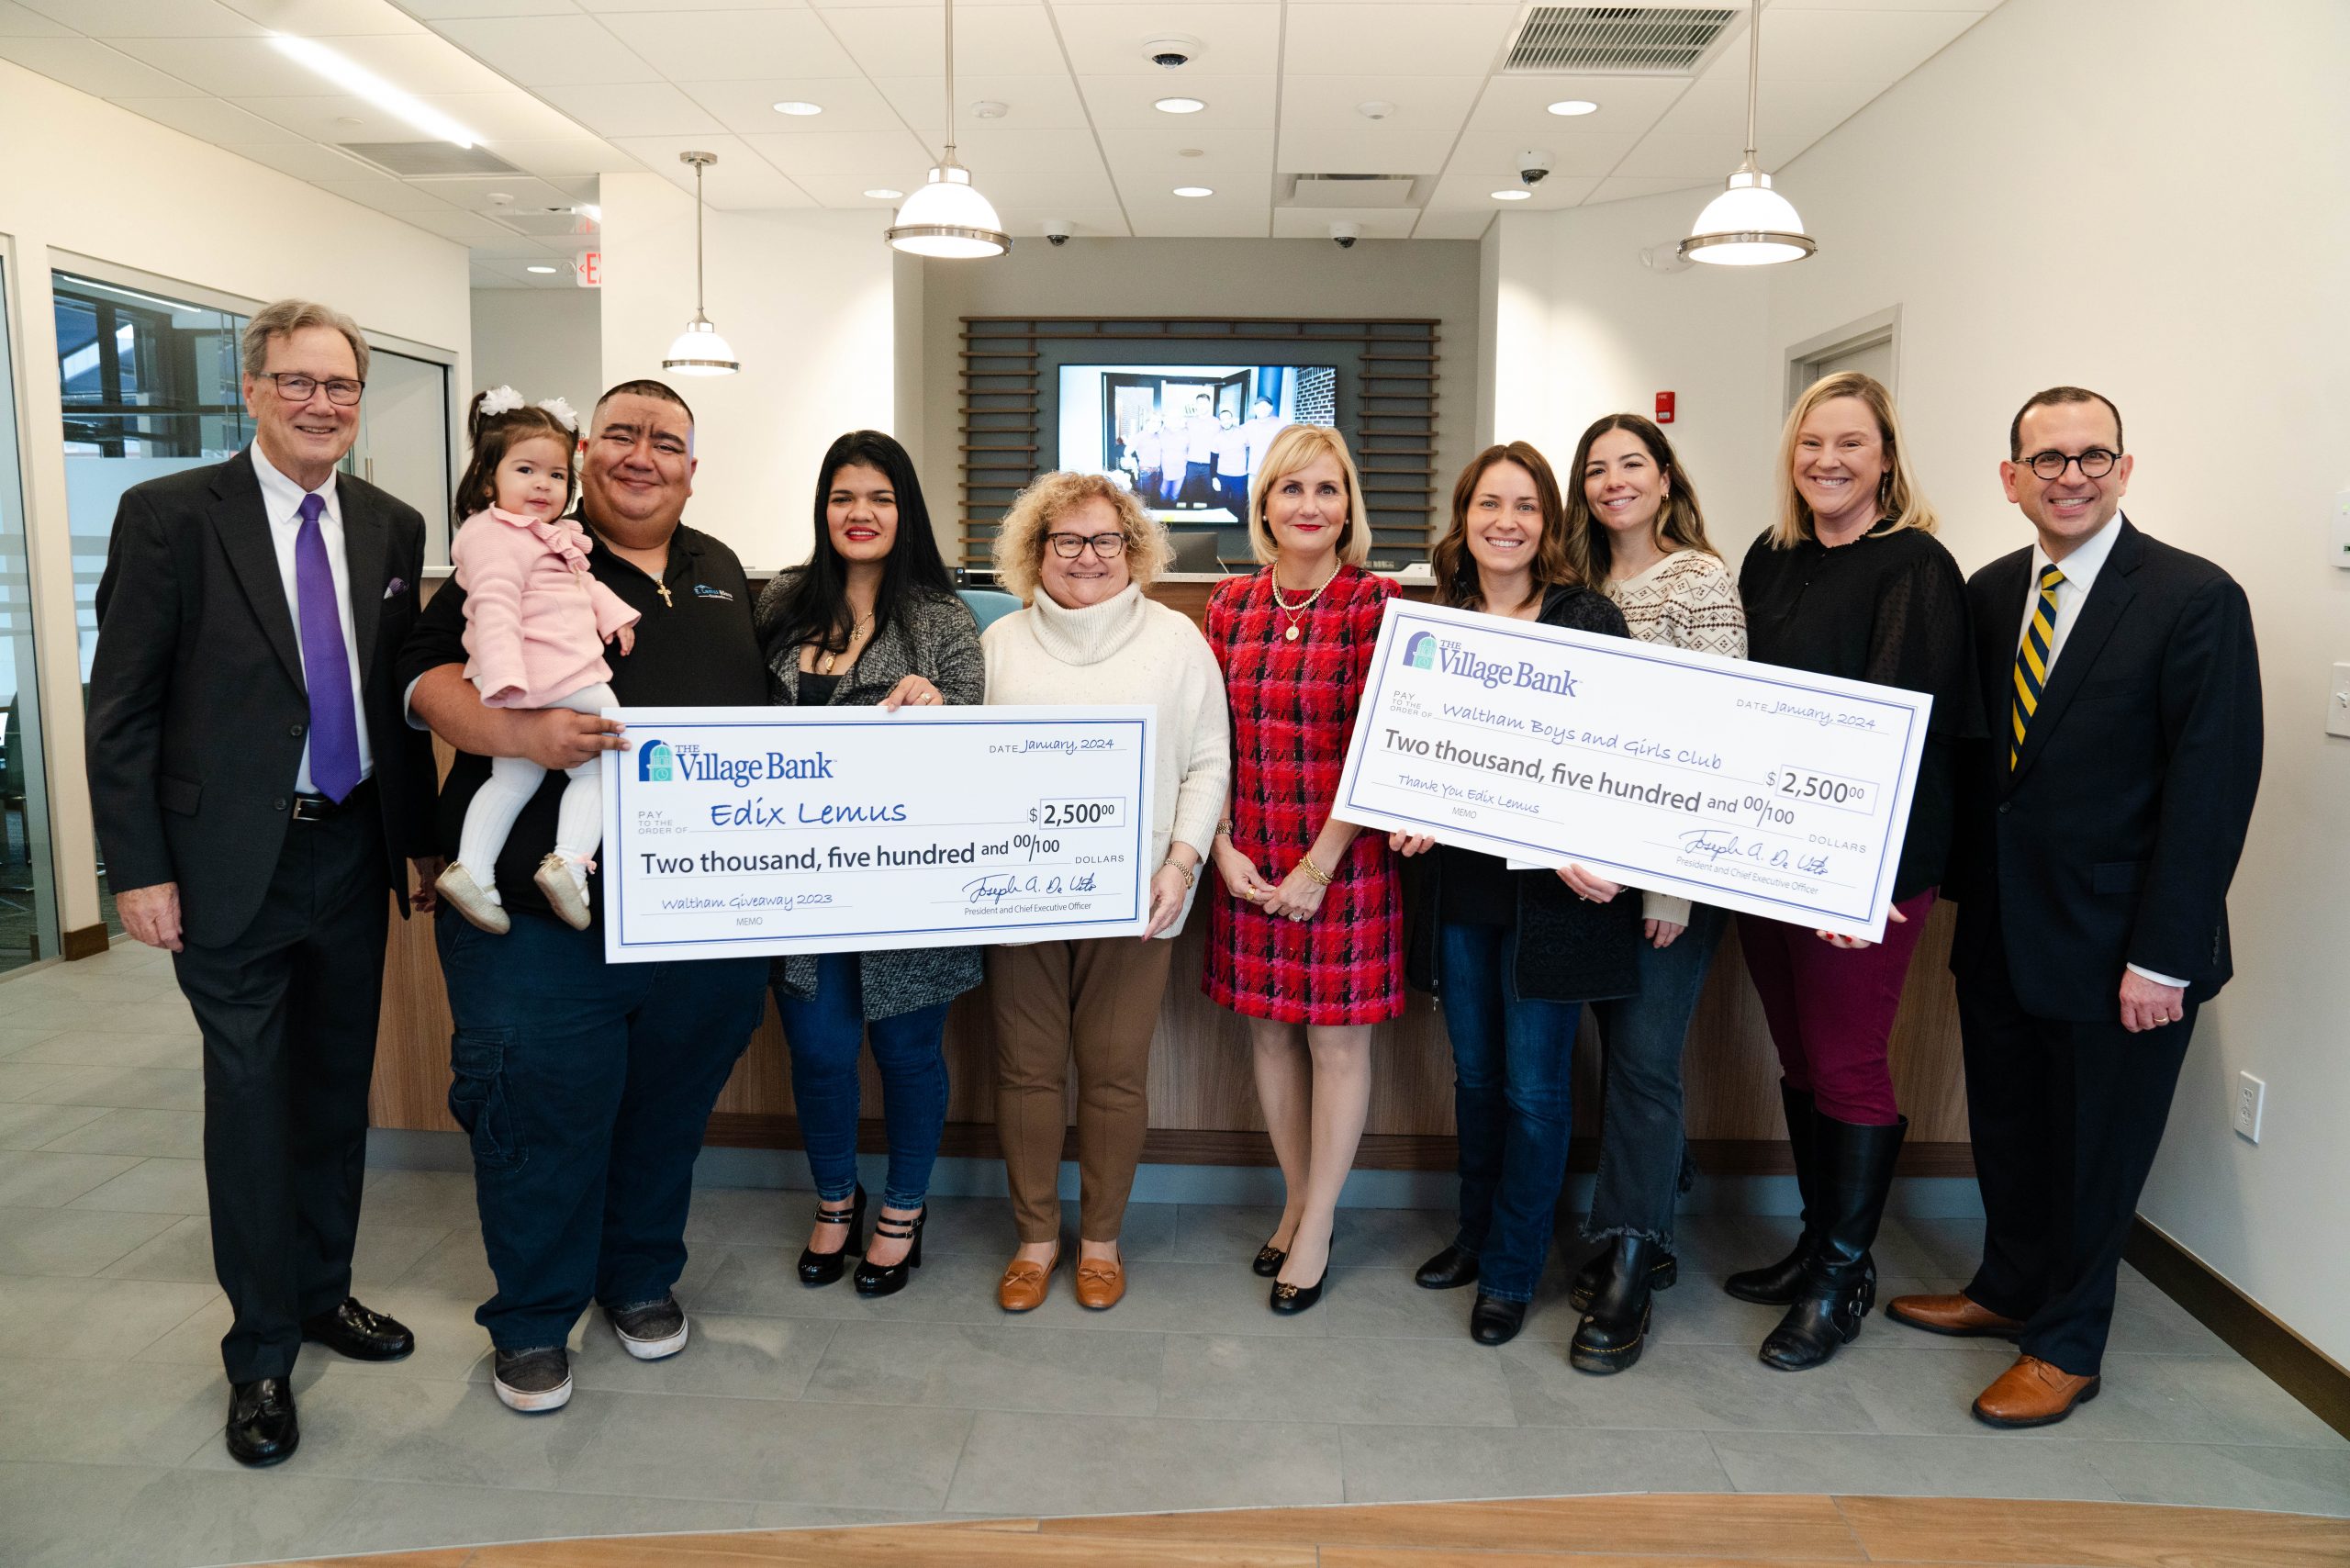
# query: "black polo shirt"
[695,647]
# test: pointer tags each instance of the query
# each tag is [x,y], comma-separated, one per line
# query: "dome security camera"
[1171,53]
[1533,167]
[1344,235]
[1057,230]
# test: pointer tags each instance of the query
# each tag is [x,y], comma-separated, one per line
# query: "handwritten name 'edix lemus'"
[1489,674]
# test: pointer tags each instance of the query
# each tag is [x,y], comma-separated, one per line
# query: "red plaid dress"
[1293,712]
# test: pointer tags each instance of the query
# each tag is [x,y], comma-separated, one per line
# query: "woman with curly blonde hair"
[1078,550]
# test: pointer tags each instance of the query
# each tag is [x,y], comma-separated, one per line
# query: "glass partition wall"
[29,923]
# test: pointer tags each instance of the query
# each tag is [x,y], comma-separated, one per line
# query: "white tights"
[580,822]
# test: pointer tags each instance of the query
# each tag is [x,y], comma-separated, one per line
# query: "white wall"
[2132,214]
[88,179]
[806,299]
[544,342]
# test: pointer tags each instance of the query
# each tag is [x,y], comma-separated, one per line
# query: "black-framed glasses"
[296,387]
[2095,464]
[1070,546]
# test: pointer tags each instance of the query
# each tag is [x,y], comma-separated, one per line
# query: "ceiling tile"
[1406,40]
[228,68]
[1046,193]
[326,19]
[1845,45]
[1234,103]
[1050,101]
[848,191]
[89,66]
[1026,225]
[1415,103]
[1196,221]
[436,11]
[1452,226]
[1492,155]
[549,51]
[305,161]
[1704,132]
[705,45]
[911,41]
[850,103]
[876,157]
[1474,192]
[633,108]
[463,227]
[147,18]
[1621,187]
[1627,104]
[210,119]
[740,180]
[1326,149]
[16,22]
[1313,223]
[384,194]
[1107,39]
[549,160]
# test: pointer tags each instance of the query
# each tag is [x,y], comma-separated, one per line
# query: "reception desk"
[1203,1100]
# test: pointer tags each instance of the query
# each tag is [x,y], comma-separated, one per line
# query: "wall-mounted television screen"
[1185,438]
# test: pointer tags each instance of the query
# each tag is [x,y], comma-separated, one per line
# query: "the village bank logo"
[1420,652]
[655,763]
[1450,657]
[659,762]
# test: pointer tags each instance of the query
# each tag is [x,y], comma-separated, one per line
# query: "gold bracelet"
[1190,873]
[1224,828]
[1305,864]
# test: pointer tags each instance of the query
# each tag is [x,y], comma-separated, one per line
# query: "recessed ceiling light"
[539,269]
[1193,191]
[883,193]
[797,107]
[1574,106]
[1179,105]
[1376,108]
[1512,196]
[990,108]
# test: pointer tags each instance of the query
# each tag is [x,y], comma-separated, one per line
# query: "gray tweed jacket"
[938,639]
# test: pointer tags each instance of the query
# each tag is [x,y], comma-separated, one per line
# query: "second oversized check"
[1747,786]
[733,832]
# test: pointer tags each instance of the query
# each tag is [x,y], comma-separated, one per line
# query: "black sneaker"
[651,1330]
[533,1381]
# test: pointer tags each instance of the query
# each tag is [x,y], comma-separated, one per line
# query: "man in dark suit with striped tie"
[2098,830]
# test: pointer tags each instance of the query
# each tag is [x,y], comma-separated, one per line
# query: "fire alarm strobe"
[1664,407]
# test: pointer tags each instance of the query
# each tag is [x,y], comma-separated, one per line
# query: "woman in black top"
[1850,582]
[1512,954]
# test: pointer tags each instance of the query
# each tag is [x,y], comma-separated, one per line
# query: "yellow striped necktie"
[2031,659]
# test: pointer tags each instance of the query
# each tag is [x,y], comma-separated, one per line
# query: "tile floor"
[796,1407]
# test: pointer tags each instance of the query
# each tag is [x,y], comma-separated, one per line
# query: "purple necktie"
[326,664]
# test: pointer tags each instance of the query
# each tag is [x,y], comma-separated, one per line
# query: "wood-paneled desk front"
[1203,1099]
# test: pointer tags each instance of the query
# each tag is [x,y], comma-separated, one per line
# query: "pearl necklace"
[1296,613]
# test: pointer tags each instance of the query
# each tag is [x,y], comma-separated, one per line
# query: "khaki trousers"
[1098,1001]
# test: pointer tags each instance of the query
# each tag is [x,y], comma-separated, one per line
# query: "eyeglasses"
[297,388]
[2096,464]
[1070,546]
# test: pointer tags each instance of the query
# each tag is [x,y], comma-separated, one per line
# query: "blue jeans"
[824,1032]
[1513,1098]
[585,1087]
[1641,1140]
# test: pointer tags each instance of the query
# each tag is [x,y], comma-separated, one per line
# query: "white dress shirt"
[281,497]
[2080,569]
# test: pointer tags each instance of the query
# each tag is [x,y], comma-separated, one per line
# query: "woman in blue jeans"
[872,617]
[1513,955]
[1633,528]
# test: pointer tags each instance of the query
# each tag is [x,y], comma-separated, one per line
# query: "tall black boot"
[1612,1333]
[1855,1173]
[1776,1284]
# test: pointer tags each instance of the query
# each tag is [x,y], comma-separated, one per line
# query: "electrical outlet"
[2250,1093]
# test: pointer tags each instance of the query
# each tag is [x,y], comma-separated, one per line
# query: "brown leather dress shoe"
[1101,1282]
[2033,1393]
[1022,1289]
[1954,1315]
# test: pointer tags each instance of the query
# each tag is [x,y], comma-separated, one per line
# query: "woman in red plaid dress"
[1308,944]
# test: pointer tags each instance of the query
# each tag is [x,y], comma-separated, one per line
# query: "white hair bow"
[565,414]
[500,400]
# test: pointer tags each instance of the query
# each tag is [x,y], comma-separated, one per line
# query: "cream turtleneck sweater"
[1128,649]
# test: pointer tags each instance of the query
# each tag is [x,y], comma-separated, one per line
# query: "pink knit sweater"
[536,619]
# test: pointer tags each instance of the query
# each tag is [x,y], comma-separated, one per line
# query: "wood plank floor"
[1661,1531]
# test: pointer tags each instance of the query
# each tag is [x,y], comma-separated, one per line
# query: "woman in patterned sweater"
[1633,527]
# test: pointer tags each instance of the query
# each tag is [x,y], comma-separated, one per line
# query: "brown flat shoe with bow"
[2033,1393]
[1959,1315]
[1022,1289]
[1101,1282]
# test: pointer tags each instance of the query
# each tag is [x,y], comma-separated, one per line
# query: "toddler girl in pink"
[536,623]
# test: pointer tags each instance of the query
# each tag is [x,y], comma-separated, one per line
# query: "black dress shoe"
[1289,1300]
[1270,1259]
[1448,1269]
[361,1335]
[262,1427]
[1494,1321]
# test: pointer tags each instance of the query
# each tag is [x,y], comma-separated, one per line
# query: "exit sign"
[587,269]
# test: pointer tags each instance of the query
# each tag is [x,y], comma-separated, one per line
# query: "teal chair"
[990,605]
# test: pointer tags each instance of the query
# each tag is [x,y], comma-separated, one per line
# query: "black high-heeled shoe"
[1290,1300]
[823,1267]
[1270,1259]
[889,1279]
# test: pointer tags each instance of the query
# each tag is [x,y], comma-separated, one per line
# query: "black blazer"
[2113,839]
[197,705]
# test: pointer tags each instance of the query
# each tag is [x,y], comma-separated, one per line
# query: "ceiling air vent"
[1349,190]
[423,160]
[1619,41]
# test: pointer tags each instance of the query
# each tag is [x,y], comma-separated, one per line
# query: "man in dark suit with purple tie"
[2098,833]
[256,791]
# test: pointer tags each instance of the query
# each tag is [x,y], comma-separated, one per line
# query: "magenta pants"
[1831,1009]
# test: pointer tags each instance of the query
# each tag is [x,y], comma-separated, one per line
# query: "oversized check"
[734,832]
[1748,786]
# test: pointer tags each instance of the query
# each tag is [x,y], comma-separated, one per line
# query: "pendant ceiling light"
[1749,225]
[699,351]
[948,217]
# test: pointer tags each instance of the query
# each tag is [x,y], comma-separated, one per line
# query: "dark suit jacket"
[197,704]
[2113,839]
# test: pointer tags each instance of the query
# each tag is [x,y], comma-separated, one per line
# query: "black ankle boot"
[1616,1325]
[1663,1270]
[822,1267]
[1494,1321]
[1855,1174]
[1778,1283]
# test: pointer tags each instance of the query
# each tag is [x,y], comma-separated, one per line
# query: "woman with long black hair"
[871,617]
